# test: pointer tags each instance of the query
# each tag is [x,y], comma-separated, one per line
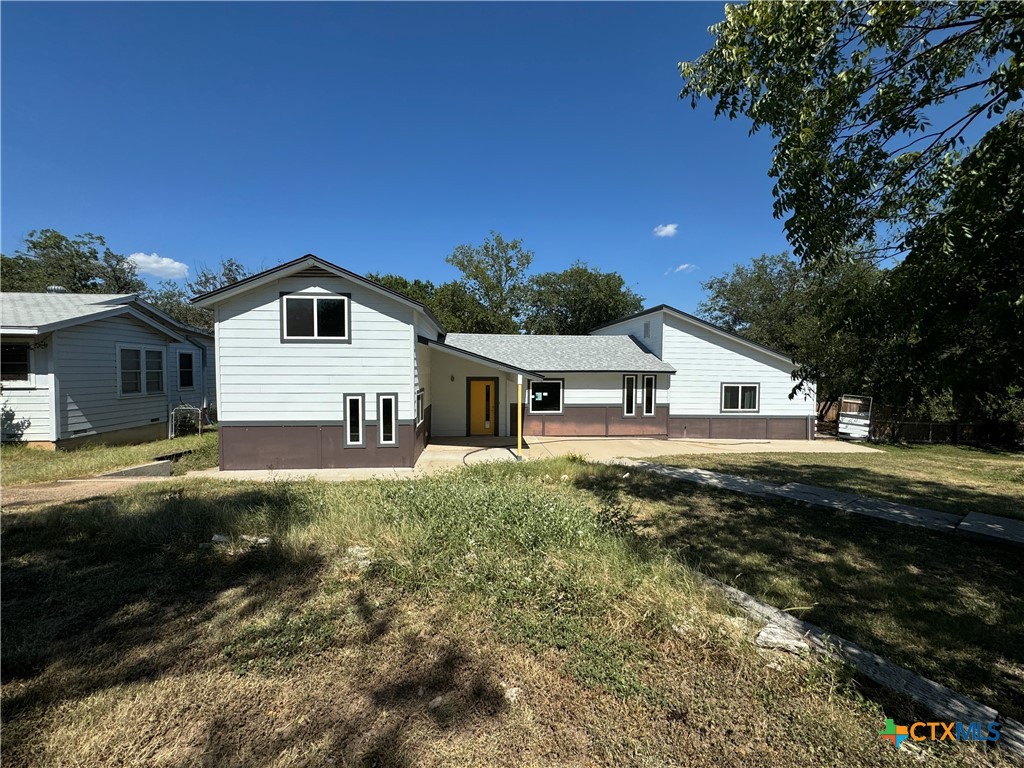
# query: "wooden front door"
[482,408]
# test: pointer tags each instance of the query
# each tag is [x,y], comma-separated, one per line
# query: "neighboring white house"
[80,368]
[319,367]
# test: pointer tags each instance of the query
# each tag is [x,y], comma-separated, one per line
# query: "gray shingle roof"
[562,353]
[34,310]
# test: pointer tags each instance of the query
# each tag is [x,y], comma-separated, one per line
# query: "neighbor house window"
[186,370]
[647,329]
[140,370]
[419,406]
[387,420]
[740,397]
[545,397]
[16,363]
[315,317]
[354,420]
[629,395]
[649,393]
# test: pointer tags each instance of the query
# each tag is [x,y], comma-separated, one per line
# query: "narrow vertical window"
[154,371]
[387,420]
[186,371]
[354,420]
[131,371]
[629,395]
[419,407]
[647,329]
[649,392]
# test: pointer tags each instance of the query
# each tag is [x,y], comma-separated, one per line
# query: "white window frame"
[628,402]
[393,442]
[740,385]
[349,443]
[654,395]
[142,349]
[421,409]
[30,382]
[316,297]
[561,397]
[193,368]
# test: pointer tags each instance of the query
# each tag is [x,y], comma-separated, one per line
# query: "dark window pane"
[14,362]
[731,398]
[648,395]
[330,317]
[298,317]
[630,396]
[546,396]
[354,421]
[387,420]
[185,378]
[750,398]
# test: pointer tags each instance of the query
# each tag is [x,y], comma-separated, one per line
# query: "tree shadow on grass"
[944,496]
[949,608]
[125,589]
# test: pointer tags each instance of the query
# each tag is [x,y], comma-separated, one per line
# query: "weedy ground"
[20,464]
[512,615]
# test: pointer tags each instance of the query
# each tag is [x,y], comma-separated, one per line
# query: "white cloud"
[682,268]
[666,230]
[159,266]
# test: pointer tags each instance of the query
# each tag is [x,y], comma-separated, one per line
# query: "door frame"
[469,396]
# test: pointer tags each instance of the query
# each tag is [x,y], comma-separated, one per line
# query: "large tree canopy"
[174,298]
[494,274]
[83,264]
[577,299]
[868,103]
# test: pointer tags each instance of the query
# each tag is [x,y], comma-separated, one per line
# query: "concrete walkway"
[446,453]
[973,524]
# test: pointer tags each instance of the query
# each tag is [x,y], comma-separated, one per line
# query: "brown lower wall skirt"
[313,447]
[742,427]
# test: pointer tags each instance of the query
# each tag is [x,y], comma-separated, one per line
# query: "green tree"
[81,265]
[174,298]
[452,304]
[825,321]
[494,273]
[577,299]
[868,103]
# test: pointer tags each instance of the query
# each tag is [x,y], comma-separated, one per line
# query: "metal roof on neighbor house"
[36,310]
[582,354]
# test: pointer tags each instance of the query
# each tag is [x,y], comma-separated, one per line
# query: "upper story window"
[317,317]
[16,363]
[740,397]
[140,370]
[647,329]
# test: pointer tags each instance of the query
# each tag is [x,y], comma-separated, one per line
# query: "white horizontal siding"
[705,359]
[604,388]
[86,364]
[635,328]
[28,408]
[261,378]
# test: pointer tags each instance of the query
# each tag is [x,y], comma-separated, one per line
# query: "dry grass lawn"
[507,619]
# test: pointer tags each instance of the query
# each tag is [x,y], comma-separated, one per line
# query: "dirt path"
[34,494]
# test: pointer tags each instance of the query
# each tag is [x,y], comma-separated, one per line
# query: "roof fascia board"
[297,265]
[686,317]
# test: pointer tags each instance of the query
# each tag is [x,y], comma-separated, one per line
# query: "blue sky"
[380,136]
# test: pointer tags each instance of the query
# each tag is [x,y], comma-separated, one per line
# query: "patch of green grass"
[121,614]
[946,607]
[947,478]
[20,465]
